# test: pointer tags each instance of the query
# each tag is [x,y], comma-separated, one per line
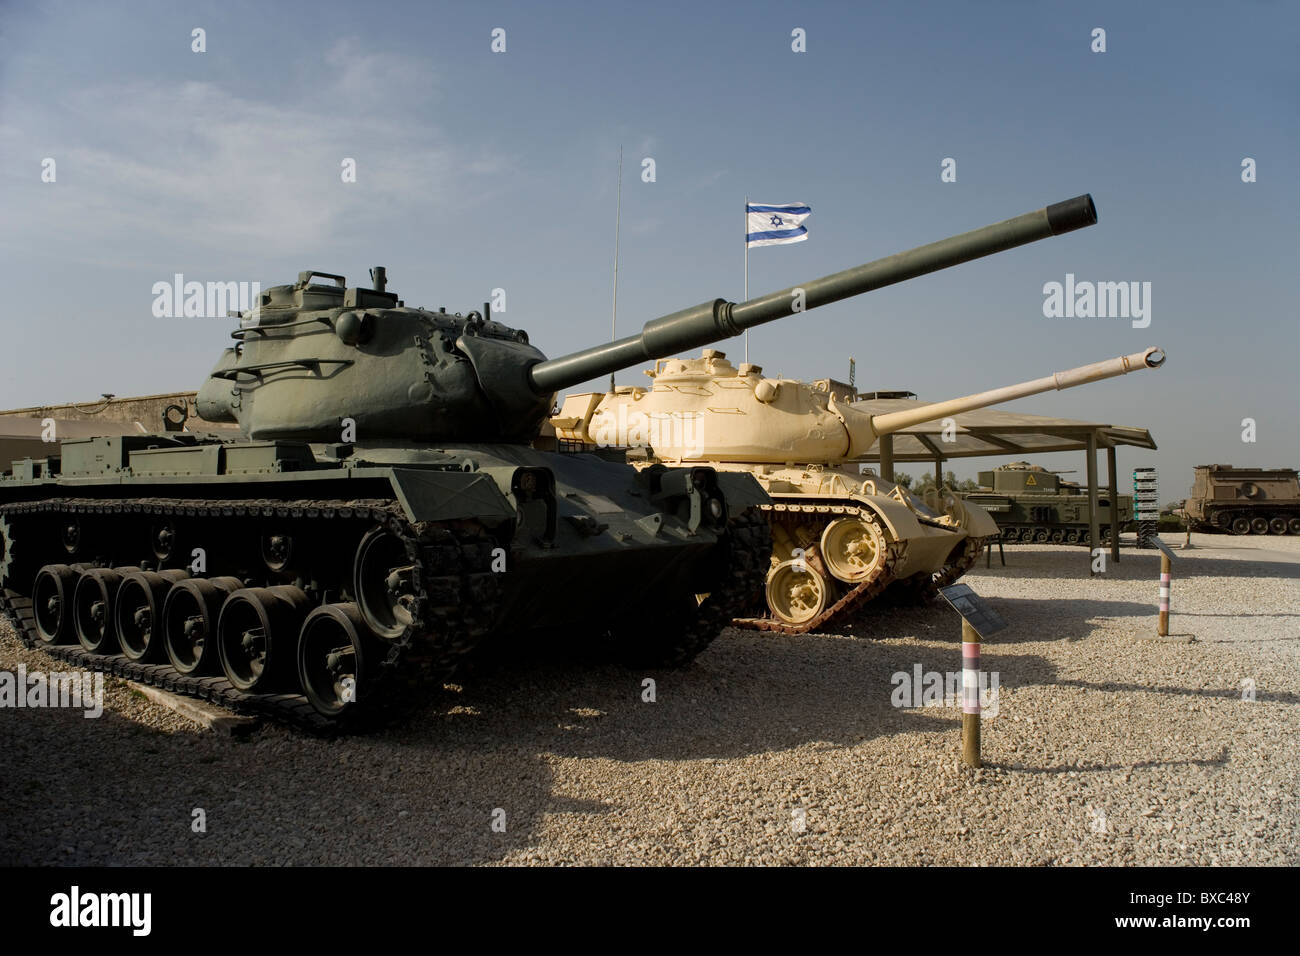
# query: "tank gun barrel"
[895,421]
[719,319]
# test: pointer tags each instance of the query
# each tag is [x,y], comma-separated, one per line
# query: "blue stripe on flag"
[792,210]
[776,234]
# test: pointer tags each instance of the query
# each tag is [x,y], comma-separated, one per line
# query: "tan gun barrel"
[896,421]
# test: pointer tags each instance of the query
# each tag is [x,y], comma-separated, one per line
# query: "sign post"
[970,695]
[1166,573]
[977,620]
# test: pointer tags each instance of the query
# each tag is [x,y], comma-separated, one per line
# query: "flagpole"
[618,219]
[746,299]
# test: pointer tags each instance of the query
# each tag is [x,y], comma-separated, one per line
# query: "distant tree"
[950,480]
[904,479]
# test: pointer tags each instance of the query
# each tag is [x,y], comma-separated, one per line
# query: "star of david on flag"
[775,225]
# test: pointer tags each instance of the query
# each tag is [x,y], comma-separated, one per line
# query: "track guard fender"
[896,516]
[447,495]
[741,490]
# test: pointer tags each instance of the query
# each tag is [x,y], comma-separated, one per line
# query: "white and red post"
[1166,568]
[970,695]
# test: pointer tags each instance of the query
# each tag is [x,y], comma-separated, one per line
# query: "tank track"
[856,597]
[455,592]
[972,548]
[1222,520]
[749,554]
[1016,534]
[919,589]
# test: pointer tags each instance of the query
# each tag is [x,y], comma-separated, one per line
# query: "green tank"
[385,511]
[1033,505]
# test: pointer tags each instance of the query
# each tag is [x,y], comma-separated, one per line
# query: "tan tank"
[1245,500]
[840,535]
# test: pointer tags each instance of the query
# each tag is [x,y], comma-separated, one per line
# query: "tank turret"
[310,355]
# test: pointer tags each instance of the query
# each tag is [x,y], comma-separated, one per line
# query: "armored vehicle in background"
[840,537]
[385,512]
[1031,504]
[1244,500]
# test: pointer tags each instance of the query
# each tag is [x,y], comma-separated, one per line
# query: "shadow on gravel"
[1222,568]
[81,792]
[750,694]
[1199,614]
[111,791]
[1226,693]
[1218,761]
[1043,562]
[1027,620]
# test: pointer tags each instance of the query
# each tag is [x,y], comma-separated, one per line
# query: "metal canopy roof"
[991,432]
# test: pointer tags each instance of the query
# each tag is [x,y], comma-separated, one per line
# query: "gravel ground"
[1107,748]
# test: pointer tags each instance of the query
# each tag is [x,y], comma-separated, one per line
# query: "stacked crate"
[1146,504]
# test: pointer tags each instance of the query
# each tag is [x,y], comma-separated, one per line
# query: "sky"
[478,170]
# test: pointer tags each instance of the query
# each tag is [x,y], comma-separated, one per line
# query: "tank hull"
[440,548]
[924,545]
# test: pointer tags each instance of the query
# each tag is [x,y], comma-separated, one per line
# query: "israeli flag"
[775,225]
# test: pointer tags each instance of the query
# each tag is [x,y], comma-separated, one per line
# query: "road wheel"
[52,603]
[1277,525]
[796,593]
[852,549]
[256,636]
[1240,525]
[338,659]
[1259,525]
[384,583]
[138,612]
[92,603]
[190,615]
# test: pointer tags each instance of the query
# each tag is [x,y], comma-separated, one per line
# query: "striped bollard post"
[1166,568]
[970,695]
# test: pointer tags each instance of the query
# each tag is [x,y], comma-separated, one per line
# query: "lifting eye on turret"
[767,390]
[354,328]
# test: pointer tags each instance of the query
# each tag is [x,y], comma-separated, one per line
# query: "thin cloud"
[199,164]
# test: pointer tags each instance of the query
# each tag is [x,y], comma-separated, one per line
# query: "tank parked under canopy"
[1031,504]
